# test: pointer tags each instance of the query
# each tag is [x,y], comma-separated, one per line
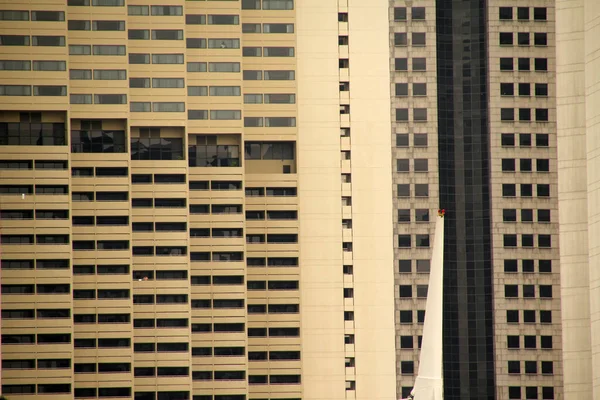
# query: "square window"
[506,64]
[529,316]
[546,316]
[545,266]
[541,114]
[401,89]
[541,140]
[404,215]
[419,39]
[422,291]
[402,140]
[528,290]
[507,139]
[510,240]
[406,316]
[531,392]
[509,215]
[420,140]
[547,367]
[403,190]
[511,291]
[513,342]
[531,367]
[543,190]
[406,342]
[405,291]
[526,215]
[524,114]
[422,240]
[509,190]
[546,291]
[525,139]
[541,89]
[421,165]
[401,64]
[420,114]
[527,240]
[544,241]
[530,342]
[540,64]
[402,165]
[405,266]
[407,367]
[540,14]
[506,38]
[514,392]
[400,39]
[510,266]
[406,390]
[508,164]
[418,13]
[547,392]
[524,89]
[402,114]
[523,38]
[399,13]
[505,13]
[404,241]
[423,266]
[527,266]
[421,190]
[540,39]
[507,89]
[542,165]
[507,114]
[514,367]
[512,316]
[526,190]
[421,215]
[523,13]
[525,165]
[419,64]
[524,64]
[419,89]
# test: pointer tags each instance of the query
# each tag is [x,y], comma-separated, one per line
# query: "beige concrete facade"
[189,209]
[577,81]
[527,304]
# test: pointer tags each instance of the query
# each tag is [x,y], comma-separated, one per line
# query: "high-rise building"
[195,200]
[578,165]
[233,199]
[475,132]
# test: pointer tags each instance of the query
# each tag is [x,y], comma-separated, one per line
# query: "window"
[49,90]
[80,50]
[419,39]
[505,13]
[55,41]
[404,241]
[506,38]
[507,89]
[137,10]
[507,114]
[167,34]
[540,64]
[278,4]
[15,65]
[524,64]
[223,20]
[540,39]
[420,114]
[399,13]
[110,99]
[108,3]
[224,43]
[49,66]
[544,241]
[523,38]
[402,114]
[421,165]
[14,15]
[508,165]
[513,342]
[524,114]
[512,316]
[108,50]
[419,64]
[14,40]
[15,90]
[108,25]
[400,39]
[167,58]
[167,10]
[510,240]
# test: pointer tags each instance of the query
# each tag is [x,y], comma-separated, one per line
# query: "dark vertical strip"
[465,193]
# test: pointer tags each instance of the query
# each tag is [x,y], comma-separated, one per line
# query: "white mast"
[429,382]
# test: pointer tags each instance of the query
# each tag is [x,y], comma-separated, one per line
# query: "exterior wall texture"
[186,201]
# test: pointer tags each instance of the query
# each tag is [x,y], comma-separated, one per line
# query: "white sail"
[429,382]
